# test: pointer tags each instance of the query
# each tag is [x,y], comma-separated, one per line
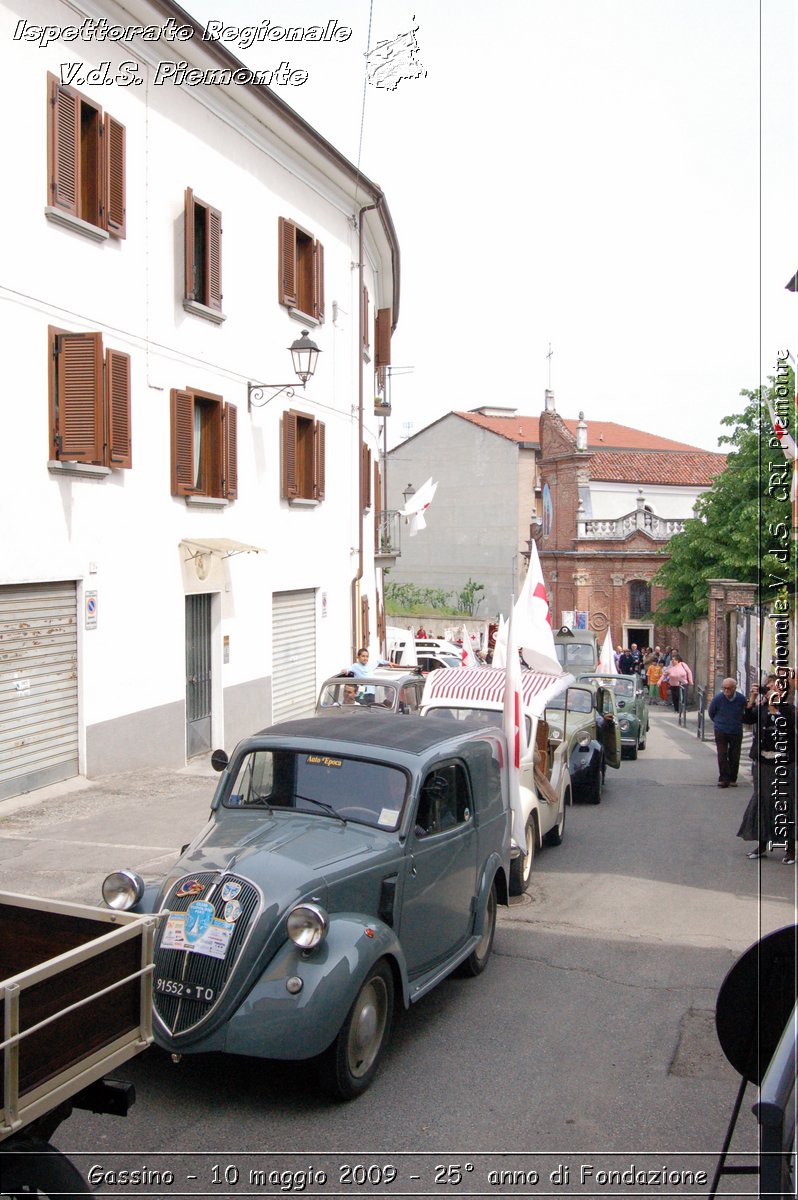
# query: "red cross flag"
[467,656]
[515,731]
[533,628]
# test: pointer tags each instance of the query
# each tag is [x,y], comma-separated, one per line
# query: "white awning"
[223,547]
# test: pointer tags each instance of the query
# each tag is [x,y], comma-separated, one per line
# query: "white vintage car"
[545,784]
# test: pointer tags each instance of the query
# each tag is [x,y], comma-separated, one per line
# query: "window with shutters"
[382,345]
[85,164]
[203,258]
[300,282]
[303,453]
[204,445]
[89,401]
[365,475]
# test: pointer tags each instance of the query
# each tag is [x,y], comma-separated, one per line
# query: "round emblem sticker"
[232,910]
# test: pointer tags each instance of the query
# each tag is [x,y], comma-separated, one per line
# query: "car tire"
[555,836]
[478,958]
[31,1167]
[596,785]
[521,867]
[348,1067]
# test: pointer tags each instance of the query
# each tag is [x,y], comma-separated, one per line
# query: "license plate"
[185,991]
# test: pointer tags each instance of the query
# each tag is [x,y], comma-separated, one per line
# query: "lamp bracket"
[256,393]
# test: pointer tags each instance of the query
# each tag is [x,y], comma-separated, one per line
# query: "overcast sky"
[616,178]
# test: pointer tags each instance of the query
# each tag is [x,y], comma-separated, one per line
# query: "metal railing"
[701,700]
[387,537]
[682,704]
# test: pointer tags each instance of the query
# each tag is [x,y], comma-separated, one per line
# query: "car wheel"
[554,836]
[32,1167]
[478,958]
[521,867]
[350,1064]
[596,785]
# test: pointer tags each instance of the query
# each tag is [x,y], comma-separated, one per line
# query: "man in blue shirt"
[726,714]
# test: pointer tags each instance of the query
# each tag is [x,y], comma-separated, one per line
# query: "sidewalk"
[61,841]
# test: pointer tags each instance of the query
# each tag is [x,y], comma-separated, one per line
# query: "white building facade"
[179,569]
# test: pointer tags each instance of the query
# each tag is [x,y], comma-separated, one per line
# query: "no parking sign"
[91,610]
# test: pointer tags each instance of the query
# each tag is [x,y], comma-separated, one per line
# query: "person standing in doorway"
[726,711]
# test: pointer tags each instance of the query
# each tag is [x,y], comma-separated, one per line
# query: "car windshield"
[578,701]
[615,683]
[575,654]
[353,693]
[485,716]
[353,789]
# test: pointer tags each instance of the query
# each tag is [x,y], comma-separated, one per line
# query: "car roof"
[410,735]
[378,675]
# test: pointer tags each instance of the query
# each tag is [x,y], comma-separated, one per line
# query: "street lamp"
[408,492]
[304,356]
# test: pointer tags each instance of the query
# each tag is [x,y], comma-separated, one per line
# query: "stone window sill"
[77,470]
[202,310]
[76,224]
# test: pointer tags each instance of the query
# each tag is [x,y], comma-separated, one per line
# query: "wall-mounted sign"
[91,610]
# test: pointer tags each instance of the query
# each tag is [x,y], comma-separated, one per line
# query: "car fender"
[273,1023]
[494,869]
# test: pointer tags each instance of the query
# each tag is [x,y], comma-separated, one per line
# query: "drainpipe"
[361,332]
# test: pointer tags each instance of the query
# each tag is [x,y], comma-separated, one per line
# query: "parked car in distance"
[429,660]
[544,783]
[583,719]
[346,866]
[398,638]
[631,702]
[577,649]
[385,691]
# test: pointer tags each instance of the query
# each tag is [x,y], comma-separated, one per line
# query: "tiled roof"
[696,467]
[601,435]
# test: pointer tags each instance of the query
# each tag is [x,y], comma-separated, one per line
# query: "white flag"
[606,662]
[417,505]
[500,645]
[532,619]
[515,732]
[409,652]
[467,656]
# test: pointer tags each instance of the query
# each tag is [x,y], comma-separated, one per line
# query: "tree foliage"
[741,528]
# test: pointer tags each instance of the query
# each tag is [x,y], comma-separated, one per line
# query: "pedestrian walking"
[678,675]
[770,814]
[726,714]
[626,664]
[653,678]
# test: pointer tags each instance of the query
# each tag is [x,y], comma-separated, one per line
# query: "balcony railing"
[387,538]
[656,527]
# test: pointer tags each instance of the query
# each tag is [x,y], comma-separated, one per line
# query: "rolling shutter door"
[38,686]
[294,654]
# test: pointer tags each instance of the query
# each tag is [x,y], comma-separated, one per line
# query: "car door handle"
[412,868]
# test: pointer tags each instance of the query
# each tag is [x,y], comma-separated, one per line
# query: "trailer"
[75,1003]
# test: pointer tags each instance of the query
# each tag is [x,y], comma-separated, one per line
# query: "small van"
[577,650]
[545,783]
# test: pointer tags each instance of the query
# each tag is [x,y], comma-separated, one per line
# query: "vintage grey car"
[384,691]
[584,719]
[631,701]
[345,866]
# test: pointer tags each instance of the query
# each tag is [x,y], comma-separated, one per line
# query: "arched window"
[639,599]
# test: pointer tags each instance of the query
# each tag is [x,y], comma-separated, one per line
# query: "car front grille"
[179,1015]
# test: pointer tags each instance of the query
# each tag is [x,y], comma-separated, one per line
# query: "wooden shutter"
[319,460]
[63,146]
[286,259]
[213,238]
[365,630]
[230,425]
[114,176]
[182,427]
[189,246]
[382,338]
[290,482]
[365,477]
[117,394]
[318,281]
[79,375]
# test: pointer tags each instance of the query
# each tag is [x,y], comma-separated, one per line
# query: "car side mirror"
[219,760]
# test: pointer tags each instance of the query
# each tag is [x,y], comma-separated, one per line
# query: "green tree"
[741,528]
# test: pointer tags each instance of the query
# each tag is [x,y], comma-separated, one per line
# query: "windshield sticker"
[213,941]
[319,760]
[389,816]
[230,890]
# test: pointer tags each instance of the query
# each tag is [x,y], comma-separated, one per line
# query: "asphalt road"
[589,1041]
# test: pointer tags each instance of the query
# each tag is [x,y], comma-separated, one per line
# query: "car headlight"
[122,889]
[583,739]
[625,726]
[307,925]
[555,735]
